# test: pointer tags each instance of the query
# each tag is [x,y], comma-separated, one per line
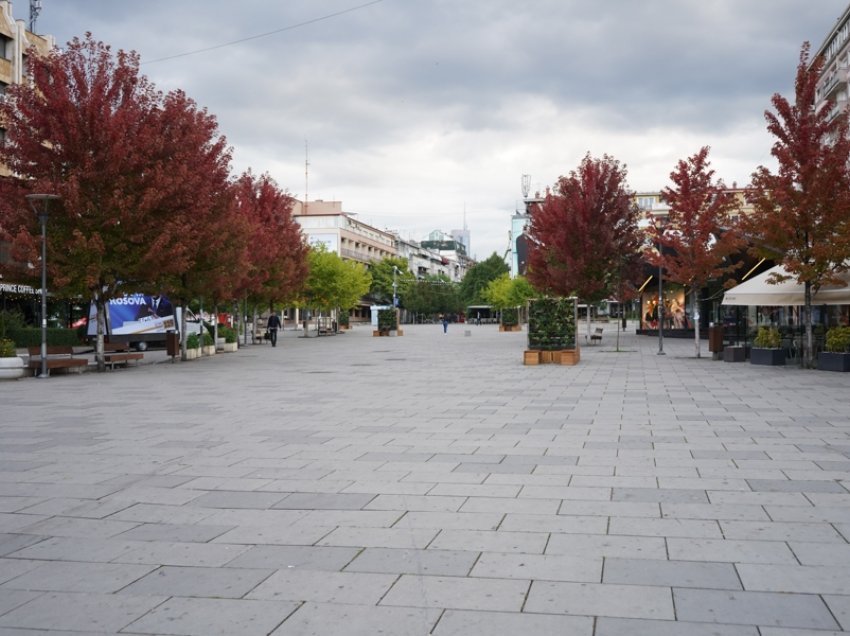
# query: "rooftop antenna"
[306,172]
[35,9]
[526,185]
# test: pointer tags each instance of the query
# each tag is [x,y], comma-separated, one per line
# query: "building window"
[646,203]
[7,46]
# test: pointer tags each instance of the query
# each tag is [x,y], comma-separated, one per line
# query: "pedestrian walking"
[445,324]
[273,325]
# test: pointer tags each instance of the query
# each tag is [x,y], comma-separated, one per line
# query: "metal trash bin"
[715,338]
[172,343]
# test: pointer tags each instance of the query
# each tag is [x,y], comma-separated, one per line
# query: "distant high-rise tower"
[462,237]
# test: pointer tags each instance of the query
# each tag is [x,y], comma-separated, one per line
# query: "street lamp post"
[395,288]
[39,204]
[660,293]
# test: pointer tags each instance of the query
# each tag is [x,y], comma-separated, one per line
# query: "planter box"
[11,368]
[208,351]
[828,361]
[567,357]
[768,357]
[192,354]
[546,357]
[734,354]
[531,357]
[510,327]
[229,347]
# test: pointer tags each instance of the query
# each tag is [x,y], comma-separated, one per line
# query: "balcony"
[357,255]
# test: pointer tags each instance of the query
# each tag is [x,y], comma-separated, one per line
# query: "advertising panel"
[136,314]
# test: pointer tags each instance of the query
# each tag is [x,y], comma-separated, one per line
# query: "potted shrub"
[767,347]
[837,354]
[343,319]
[510,320]
[228,334]
[387,322]
[552,331]
[11,365]
[207,344]
[193,346]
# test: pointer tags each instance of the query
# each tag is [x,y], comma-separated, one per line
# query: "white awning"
[757,291]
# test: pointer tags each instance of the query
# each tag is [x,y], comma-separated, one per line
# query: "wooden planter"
[829,361]
[510,327]
[768,357]
[531,357]
[567,357]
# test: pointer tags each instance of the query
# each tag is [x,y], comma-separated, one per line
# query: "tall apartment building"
[325,222]
[15,42]
[835,51]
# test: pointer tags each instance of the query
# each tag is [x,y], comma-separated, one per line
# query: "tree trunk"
[618,329]
[694,304]
[183,334]
[245,321]
[808,345]
[100,304]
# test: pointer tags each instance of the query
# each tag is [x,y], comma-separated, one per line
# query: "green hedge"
[510,317]
[551,324]
[31,336]
[387,319]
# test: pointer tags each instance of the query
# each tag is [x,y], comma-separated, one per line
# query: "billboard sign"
[136,314]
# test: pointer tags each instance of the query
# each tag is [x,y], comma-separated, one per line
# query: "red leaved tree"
[801,213]
[277,267]
[581,235]
[697,238]
[90,128]
[194,161]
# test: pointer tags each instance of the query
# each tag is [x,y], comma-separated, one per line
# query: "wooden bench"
[119,353]
[58,357]
[596,335]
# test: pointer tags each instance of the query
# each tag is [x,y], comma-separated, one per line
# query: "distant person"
[273,325]
[445,324]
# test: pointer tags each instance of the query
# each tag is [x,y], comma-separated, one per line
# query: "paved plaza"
[427,484]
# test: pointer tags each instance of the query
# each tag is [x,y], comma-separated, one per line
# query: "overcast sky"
[415,111]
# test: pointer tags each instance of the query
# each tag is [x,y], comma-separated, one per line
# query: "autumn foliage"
[583,237]
[147,201]
[275,267]
[698,237]
[801,212]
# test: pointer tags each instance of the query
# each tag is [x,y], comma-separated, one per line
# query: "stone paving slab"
[427,483]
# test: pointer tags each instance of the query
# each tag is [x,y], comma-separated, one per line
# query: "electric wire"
[264,35]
